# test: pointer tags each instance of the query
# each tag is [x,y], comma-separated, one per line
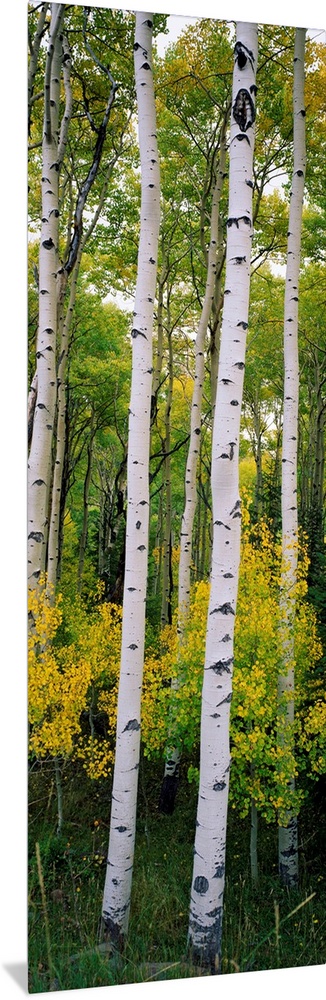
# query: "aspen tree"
[117,890]
[70,269]
[169,785]
[40,456]
[54,527]
[206,905]
[288,831]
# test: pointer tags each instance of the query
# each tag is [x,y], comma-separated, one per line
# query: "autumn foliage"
[74,662]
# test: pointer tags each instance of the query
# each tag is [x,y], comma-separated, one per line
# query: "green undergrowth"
[265,926]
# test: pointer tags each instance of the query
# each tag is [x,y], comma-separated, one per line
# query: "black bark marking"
[36,535]
[133,645]
[242,53]
[121,829]
[243,324]
[241,136]
[289,853]
[219,871]
[201,884]
[234,402]
[138,333]
[239,364]
[237,506]
[222,666]
[138,524]
[141,548]
[226,638]
[235,222]
[48,244]
[38,482]
[219,786]
[223,609]
[225,701]
[132,726]
[220,524]
[145,65]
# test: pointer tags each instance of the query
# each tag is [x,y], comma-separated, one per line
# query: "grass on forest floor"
[265,926]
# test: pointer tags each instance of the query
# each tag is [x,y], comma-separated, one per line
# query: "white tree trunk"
[206,906]
[288,834]
[116,900]
[40,456]
[64,326]
[168,790]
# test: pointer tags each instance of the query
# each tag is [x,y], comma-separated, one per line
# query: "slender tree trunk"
[40,456]
[317,519]
[58,784]
[117,889]
[87,483]
[215,329]
[57,506]
[206,906]
[159,343]
[158,546]
[288,832]
[54,532]
[166,609]
[171,772]
[258,456]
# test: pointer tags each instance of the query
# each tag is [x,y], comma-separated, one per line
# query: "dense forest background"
[91,518]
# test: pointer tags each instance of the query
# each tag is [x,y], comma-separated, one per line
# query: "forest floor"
[265,925]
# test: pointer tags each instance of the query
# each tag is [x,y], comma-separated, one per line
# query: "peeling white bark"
[206,906]
[117,890]
[288,834]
